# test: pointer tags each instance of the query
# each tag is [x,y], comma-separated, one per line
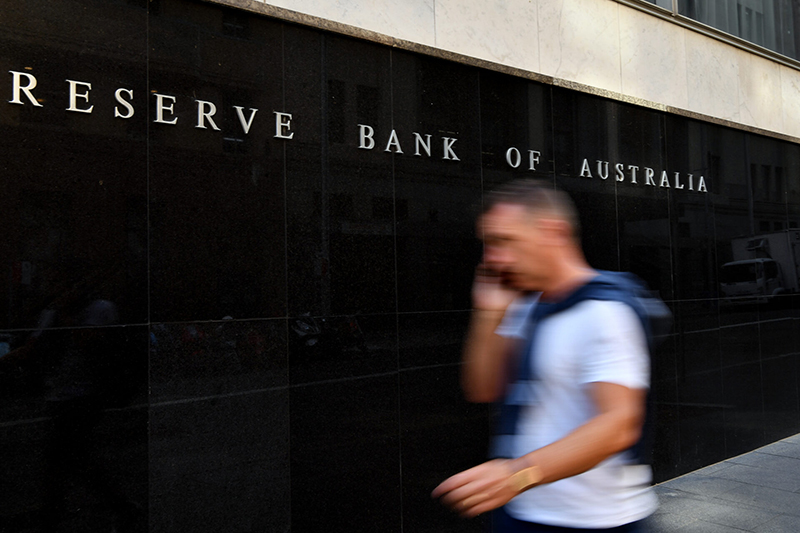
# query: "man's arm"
[487,354]
[615,428]
[486,357]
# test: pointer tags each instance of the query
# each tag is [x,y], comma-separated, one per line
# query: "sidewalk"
[757,492]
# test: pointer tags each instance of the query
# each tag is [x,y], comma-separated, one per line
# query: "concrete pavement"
[757,492]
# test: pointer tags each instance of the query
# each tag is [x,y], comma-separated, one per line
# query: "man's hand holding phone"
[490,292]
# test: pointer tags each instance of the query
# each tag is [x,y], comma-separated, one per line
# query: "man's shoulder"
[600,311]
[627,288]
[592,324]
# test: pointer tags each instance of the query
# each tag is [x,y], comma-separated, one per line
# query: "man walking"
[566,348]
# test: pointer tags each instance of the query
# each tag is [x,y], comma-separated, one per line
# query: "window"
[666,4]
[773,24]
[738,273]
[779,193]
[342,206]
[235,24]
[367,104]
[336,110]
[771,269]
[382,208]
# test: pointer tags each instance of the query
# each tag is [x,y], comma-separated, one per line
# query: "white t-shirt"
[593,341]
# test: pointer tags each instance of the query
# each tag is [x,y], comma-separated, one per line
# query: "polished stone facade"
[622,48]
[213,330]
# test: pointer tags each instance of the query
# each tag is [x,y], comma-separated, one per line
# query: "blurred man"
[566,349]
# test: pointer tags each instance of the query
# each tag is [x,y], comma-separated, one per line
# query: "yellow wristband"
[526,478]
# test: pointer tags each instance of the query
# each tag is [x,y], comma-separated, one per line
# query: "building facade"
[238,241]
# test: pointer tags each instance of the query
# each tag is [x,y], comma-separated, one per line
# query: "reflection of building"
[768,23]
[219,245]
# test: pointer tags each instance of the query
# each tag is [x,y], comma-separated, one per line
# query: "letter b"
[365,137]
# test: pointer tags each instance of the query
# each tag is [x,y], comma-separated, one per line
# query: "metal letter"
[620,168]
[633,169]
[202,114]
[160,108]
[393,142]
[17,88]
[533,157]
[448,148]
[601,168]
[426,144]
[585,172]
[365,134]
[128,106]
[245,123]
[73,96]
[283,122]
[513,157]
[648,176]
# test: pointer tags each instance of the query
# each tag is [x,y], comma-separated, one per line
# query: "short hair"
[536,196]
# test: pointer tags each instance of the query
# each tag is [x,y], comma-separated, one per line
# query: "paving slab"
[758,492]
[783,448]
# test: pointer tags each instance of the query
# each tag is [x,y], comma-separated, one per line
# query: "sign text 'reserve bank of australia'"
[79,101]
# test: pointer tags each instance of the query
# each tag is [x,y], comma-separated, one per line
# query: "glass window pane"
[666,4]
[772,24]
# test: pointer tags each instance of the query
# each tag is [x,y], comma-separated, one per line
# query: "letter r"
[19,88]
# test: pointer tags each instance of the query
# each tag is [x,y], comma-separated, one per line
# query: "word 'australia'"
[647,174]
[366,141]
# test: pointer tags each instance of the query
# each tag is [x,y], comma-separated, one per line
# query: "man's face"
[514,247]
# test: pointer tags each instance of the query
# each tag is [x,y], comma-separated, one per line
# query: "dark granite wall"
[206,330]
